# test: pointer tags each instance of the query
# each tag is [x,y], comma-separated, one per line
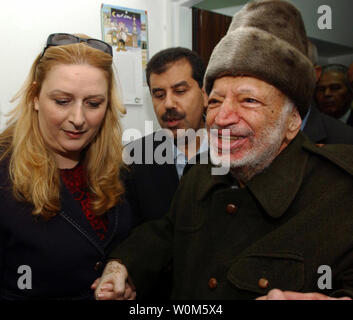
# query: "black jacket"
[288,221]
[321,128]
[350,120]
[150,186]
[64,253]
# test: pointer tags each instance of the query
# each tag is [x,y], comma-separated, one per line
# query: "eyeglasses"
[60,39]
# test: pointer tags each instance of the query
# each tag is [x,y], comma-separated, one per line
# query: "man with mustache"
[334,94]
[283,214]
[174,77]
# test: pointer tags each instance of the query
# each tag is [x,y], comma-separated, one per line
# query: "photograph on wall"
[126,30]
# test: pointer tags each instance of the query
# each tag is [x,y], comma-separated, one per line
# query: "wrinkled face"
[177,98]
[332,95]
[71,107]
[258,124]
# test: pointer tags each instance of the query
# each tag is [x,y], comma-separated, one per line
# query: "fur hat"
[267,40]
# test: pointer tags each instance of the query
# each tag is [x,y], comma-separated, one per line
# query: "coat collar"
[314,127]
[72,213]
[276,186]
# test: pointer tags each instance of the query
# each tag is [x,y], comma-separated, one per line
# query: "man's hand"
[277,294]
[114,284]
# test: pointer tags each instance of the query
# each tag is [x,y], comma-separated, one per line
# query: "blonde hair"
[33,170]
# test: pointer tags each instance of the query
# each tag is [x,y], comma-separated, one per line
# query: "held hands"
[114,283]
[277,294]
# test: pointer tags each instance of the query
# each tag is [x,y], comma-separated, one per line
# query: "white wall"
[181,26]
[25,25]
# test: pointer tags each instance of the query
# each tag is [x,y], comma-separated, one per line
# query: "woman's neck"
[67,162]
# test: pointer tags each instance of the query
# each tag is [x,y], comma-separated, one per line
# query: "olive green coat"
[288,221]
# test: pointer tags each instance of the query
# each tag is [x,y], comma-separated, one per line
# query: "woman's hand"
[114,283]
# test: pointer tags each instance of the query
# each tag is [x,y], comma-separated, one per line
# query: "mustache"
[234,130]
[172,114]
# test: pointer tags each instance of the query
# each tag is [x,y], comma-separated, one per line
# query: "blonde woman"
[61,196]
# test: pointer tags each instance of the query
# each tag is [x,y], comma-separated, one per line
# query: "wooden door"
[208,28]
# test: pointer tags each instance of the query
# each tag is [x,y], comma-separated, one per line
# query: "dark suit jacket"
[64,253]
[150,187]
[350,120]
[321,128]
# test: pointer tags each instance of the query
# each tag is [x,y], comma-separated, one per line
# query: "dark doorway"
[207,29]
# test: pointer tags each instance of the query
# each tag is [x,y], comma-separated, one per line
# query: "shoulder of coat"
[339,154]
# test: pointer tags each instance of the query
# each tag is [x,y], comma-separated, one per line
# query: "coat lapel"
[276,196]
[72,212]
[112,216]
[315,128]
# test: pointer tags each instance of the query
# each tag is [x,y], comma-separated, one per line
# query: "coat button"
[263,283]
[212,283]
[98,265]
[231,208]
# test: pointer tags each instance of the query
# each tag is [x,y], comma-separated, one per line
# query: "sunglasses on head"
[60,39]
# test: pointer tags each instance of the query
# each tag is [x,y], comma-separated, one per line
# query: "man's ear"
[318,71]
[294,123]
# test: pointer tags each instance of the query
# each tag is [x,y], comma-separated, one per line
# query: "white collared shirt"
[181,160]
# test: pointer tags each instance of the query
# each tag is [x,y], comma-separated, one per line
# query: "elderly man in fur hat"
[280,224]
